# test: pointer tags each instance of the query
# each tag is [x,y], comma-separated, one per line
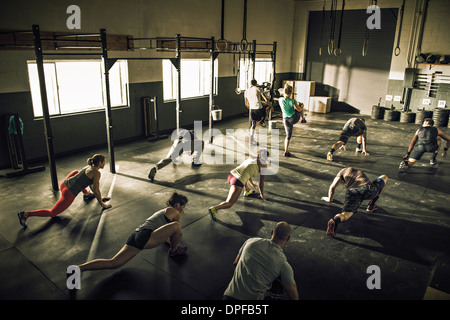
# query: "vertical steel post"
[211,94]
[178,104]
[253,55]
[274,60]
[108,113]
[45,112]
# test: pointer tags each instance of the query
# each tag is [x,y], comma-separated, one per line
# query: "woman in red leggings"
[76,182]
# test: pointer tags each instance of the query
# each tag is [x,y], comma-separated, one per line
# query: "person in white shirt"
[257,111]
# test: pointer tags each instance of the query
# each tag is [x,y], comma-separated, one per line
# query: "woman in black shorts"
[153,232]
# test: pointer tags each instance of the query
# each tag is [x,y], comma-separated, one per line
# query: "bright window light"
[195,79]
[263,72]
[77,86]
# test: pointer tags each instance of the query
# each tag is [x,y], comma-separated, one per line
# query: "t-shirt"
[287,107]
[253,95]
[353,177]
[261,262]
[155,221]
[355,126]
[78,182]
[247,169]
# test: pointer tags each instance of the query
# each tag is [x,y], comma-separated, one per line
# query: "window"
[77,86]
[263,72]
[195,79]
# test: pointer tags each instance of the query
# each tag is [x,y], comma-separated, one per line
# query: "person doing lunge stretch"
[359,188]
[354,127]
[160,227]
[75,182]
[238,178]
[426,139]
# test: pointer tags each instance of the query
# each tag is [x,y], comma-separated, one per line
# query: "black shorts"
[139,238]
[346,134]
[258,114]
[355,196]
[420,149]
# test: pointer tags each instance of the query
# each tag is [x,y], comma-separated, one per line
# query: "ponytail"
[175,199]
[95,160]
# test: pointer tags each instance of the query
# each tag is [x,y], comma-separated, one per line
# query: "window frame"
[54,93]
[172,85]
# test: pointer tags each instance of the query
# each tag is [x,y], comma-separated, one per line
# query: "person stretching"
[359,188]
[153,232]
[426,139]
[238,178]
[292,112]
[75,182]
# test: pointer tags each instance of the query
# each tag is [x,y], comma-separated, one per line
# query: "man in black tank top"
[426,139]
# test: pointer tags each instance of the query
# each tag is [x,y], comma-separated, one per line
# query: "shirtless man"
[359,188]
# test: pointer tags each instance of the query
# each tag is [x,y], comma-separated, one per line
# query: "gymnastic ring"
[220,41]
[243,44]
[320,51]
[397,51]
[337,51]
[364,50]
[238,91]
[330,46]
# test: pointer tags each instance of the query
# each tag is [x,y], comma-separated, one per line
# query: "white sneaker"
[402,167]
[358,150]
[329,156]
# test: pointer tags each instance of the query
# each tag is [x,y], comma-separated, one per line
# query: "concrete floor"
[407,238]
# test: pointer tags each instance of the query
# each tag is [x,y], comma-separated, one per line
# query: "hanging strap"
[397,48]
[338,51]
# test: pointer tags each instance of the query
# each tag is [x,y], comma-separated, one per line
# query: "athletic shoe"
[249,193]
[403,166]
[22,219]
[329,156]
[303,120]
[433,162]
[253,143]
[178,251]
[212,213]
[371,207]
[88,196]
[331,230]
[287,154]
[196,164]
[358,150]
[151,174]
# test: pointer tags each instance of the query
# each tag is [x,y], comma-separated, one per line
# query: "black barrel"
[391,115]
[407,117]
[422,114]
[378,112]
[440,117]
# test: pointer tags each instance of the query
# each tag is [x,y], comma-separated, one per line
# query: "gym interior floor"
[407,237]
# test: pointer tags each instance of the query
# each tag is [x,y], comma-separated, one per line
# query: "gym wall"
[137,18]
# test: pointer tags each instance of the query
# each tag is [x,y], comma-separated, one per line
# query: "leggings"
[63,203]
[289,124]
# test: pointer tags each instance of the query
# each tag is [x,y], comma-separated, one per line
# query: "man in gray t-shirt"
[354,127]
[259,263]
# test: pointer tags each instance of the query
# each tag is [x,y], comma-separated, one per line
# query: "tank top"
[427,135]
[155,221]
[247,169]
[78,182]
